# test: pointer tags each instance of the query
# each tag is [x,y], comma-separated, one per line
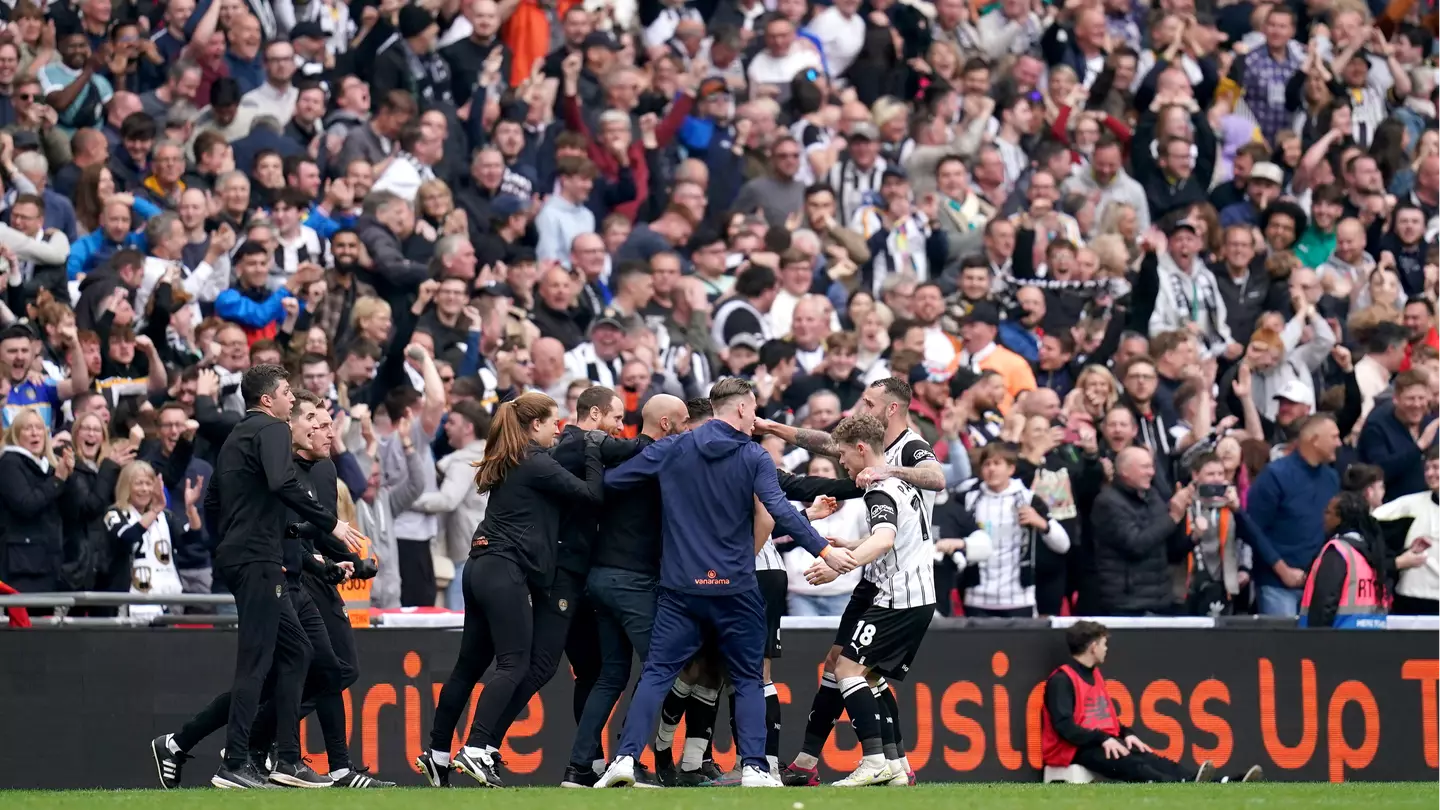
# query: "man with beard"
[1406,243]
[375,142]
[342,287]
[72,86]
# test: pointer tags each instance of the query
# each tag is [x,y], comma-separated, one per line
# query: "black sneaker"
[695,778]
[665,770]
[481,768]
[298,775]
[361,778]
[577,777]
[645,778]
[436,775]
[242,778]
[711,771]
[791,776]
[167,763]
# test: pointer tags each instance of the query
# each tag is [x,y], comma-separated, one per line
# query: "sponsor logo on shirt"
[711,578]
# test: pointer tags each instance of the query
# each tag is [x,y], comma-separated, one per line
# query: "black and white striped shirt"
[582,363]
[854,186]
[1002,578]
[904,577]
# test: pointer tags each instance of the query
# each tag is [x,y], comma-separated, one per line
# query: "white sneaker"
[898,777]
[754,777]
[867,775]
[621,773]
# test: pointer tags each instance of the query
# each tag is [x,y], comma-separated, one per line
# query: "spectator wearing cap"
[467,57]
[859,175]
[1398,434]
[565,215]
[277,95]
[504,239]
[1262,189]
[396,64]
[1369,91]
[979,329]
[598,359]
[1187,295]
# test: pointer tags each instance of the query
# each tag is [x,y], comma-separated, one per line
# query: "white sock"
[805,762]
[774,763]
[665,735]
[339,774]
[477,753]
[171,745]
[441,758]
[598,766]
[896,766]
[873,760]
[694,753]
[491,750]
[905,764]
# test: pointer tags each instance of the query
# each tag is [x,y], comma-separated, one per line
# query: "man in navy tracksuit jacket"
[709,479]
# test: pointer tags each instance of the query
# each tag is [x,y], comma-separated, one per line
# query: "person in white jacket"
[1015,519]
[1418,591]
[458,503]
[847,523]
[1187,296]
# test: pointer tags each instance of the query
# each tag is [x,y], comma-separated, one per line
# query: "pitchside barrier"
[1311,705]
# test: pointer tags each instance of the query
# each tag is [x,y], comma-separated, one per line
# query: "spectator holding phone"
[1222,542]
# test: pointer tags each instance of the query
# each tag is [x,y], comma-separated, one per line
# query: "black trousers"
[332,669]
[269,634]
[333,661]
[1136,766]
[564,623]
[499,626]
[417,573]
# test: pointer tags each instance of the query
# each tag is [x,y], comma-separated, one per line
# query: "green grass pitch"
[925,797]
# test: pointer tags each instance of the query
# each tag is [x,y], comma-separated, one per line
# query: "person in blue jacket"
[113,235]
[710,479]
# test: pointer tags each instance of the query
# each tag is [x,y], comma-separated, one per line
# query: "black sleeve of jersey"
[916,451]
[880,510]
[810,487]
[1039,505]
